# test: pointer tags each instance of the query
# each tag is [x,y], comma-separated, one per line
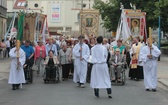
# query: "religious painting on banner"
[32,23]
[132,24]
[135,26]
[137,23]
[89,22]
[89,25]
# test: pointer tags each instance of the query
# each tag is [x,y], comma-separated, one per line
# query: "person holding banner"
[81,53]
[149,55]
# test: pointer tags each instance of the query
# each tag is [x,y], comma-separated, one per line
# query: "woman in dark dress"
[92,43]
[50,63]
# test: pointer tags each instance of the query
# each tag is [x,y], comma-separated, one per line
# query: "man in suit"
[116,61]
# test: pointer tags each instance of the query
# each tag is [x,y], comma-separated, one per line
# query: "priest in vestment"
[16,75]
[100,73]
[81,53]
[136,65]
[149,55]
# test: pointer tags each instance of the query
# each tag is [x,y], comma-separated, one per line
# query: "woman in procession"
[39,55]
[91,44]
[65,61]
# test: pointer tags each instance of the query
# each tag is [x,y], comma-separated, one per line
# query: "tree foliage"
[110,12]
[162,11]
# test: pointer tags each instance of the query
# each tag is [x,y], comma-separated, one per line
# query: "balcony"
[3,11]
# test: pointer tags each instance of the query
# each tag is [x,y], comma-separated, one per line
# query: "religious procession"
[87,58]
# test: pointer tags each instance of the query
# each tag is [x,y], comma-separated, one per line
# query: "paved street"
[67,93]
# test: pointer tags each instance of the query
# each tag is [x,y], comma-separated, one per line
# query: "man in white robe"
[100,73]
[81,53]
[16,76]
[149,57]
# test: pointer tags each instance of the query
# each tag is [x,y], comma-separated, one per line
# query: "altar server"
[149,55]
[100,73]
[81,53]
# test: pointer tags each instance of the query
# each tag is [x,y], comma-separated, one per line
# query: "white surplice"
[100,77]
[150,66]
[16,76]
[80,67]
[134,49]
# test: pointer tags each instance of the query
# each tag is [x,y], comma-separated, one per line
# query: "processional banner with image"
[89,23]
[32,27]
[132,24]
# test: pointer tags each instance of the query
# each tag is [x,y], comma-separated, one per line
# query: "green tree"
[110,12]
[162,11]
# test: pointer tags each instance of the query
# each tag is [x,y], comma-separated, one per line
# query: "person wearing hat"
[81,53]
[39,55]
[116,61]
[100,78]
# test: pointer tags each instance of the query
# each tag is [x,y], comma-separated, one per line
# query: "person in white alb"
[100,77]
[149,55]
[81,53]
[16,75]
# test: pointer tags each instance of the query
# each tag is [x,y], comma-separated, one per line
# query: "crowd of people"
[5,47]
[94,61]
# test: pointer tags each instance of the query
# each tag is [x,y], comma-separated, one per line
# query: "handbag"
[35,67]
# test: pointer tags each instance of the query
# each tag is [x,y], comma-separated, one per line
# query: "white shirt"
[7,43]
[114,43]
[116,59]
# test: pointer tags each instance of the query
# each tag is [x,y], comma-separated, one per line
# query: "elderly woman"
[65,60]
[105,43]
[39,55]
[50,63]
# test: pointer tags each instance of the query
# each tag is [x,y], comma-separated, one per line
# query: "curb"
[163,83]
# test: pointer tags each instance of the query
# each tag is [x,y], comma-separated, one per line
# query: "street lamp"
[159,31]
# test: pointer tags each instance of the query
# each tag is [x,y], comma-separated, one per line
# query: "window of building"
[20,4]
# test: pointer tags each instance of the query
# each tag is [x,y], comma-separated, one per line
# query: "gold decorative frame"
[89,23]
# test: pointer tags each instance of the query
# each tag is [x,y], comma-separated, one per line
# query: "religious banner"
[32,25]
[132,24]
[89,23]
[45,31]
[55,13]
